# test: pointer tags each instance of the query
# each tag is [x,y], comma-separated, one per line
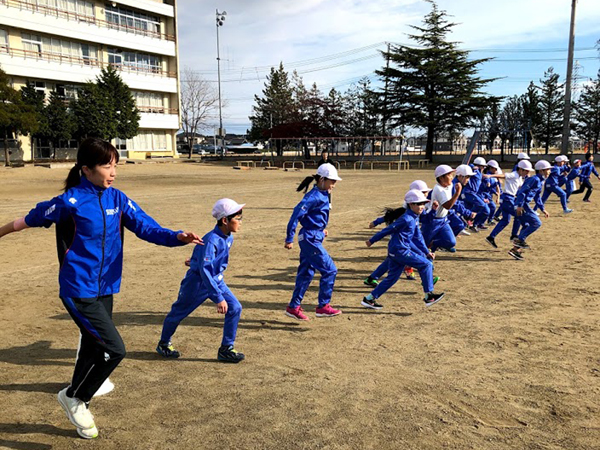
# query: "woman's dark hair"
[91,153]
[306,183]
[390,215]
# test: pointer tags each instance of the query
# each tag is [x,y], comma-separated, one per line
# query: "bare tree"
[199,103]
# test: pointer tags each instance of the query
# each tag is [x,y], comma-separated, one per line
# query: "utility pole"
[220,20]
[385,96]
[567,115]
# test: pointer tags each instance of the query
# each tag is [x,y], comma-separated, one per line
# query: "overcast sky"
[335,42]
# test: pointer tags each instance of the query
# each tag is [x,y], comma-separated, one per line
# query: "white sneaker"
[106,387]
[90,433]
[464,233]
[77,411]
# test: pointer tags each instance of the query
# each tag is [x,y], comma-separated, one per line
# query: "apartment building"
[61,44]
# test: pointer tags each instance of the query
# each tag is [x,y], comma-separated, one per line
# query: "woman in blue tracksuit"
[313,214]
[528,219]
[89,218]
[406,248]
[584,177]
[204,280]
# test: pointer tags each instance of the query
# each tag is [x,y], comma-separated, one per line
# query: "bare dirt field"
[508,360]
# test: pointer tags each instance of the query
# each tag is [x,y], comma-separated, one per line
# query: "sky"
[334,43]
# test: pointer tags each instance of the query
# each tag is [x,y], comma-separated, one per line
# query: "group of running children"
[90,217]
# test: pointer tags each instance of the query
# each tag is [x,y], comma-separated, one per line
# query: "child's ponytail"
[390,215]
[74,177]
[306,183]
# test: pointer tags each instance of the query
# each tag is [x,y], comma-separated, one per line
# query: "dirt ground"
[508,360]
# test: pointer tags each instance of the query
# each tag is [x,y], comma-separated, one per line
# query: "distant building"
[61,44]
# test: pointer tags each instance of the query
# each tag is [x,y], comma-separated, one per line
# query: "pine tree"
[434,86]
[120,102]
[532,118]
[586,115]
[551,109]
[60,122]
[36,99]
[93,114]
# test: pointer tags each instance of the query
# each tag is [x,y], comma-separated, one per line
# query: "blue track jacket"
[312,212]
[530,190]
[586,171]
[472,187]
[406,235]
[89,234]
[554,177]
[208,263]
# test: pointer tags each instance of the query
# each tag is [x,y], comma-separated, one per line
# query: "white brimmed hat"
[479,161]
[415,196]
[419,185]
[443,169]
[494,164]
[328,171]
[464,170]
[523,155]
[542,164]
[226,207]
[525,165]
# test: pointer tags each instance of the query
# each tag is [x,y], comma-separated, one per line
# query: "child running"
[406,248]
[89,217]
[313,214]
[204,280]
[512,182]
[528,219]
[552,184]
[473,199]
[584,177]
[574,172]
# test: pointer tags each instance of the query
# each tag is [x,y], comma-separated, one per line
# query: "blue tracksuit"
[406,248]
[529,221]
[570,184]
[586,171]
[313,214]
[552,184]
[473,200]
[204,280]
[487,190]
[90,236]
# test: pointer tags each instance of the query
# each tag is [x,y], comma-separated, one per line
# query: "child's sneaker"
[515,254]
[296,313]
[482,227]
[167,350]
[432,299]
[229,354]
[371,282]
[77,411]
[371,303]
[464,232]
[90,433]
[568,210]
[521,243]
[410,274]
[490,240]
[327,311]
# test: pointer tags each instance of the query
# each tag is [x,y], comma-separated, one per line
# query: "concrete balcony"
[159,121]
[44,20]
[70,69]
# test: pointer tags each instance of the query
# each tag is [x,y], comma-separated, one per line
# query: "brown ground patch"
[508,360]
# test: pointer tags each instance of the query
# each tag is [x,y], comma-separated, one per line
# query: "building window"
[39,86]
[33,43]
[152,102]
[132,21]
[3,41]
[137,61]
[150,140]
[81,9]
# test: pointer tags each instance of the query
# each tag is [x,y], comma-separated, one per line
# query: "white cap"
[525,165]
[328,171]
[523,155]
[443,170]
[226,207]
[415,196]
[419,185]
[561,158]
[479,161]
[494,164]
[576,161]
[464,170]
[542,164]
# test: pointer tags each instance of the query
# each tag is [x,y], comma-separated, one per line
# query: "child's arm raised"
[11,227]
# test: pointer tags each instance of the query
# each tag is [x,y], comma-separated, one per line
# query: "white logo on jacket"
[72,200]
[112,212]
[131,205]
[50,210]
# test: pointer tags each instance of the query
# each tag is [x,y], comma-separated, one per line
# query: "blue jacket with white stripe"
[90,222]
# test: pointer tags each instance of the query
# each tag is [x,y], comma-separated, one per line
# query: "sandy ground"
[509,359]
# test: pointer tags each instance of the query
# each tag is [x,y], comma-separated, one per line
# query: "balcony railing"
[157,110]
[70,15]
[75,60]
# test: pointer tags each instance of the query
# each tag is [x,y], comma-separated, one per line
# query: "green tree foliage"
[435,85]
[16,117]
[586,114]
[551,107]
[120,103]
[532,117]
[60,124]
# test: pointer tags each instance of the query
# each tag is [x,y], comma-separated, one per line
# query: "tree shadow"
[47,388]
[24,445]
[38,354]
[35,428]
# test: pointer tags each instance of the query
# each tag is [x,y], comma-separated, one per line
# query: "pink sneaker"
[327,311]
[296,313]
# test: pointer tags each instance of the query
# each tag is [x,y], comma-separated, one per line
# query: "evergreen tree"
[532,118]
[511,120]
[93,115]
[60,124]
[586,115]
[551,109]
[36,99]
[120,102]
[492,125]
[16,117]
[434,86]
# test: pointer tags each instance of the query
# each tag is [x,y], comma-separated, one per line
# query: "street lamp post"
[220,20]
